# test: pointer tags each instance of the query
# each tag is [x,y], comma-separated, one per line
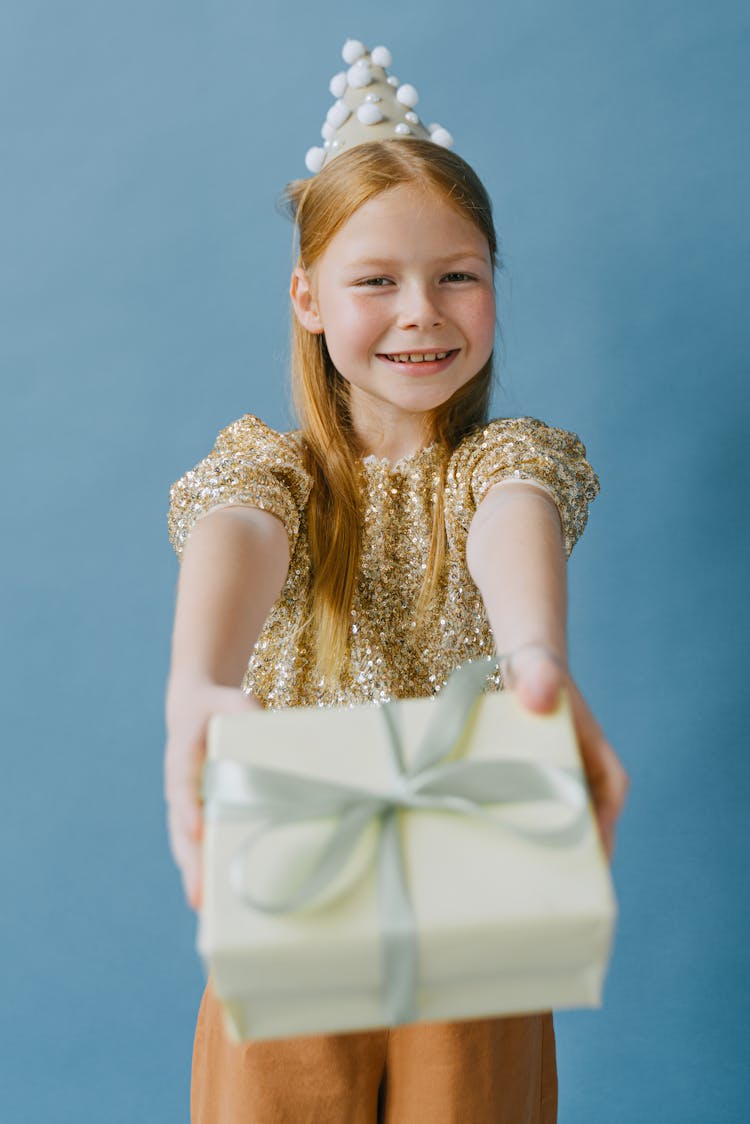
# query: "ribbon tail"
[399,945]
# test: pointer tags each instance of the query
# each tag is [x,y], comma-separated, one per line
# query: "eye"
[374,282]
[458,277]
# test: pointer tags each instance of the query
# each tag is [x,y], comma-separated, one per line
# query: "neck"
[390,438]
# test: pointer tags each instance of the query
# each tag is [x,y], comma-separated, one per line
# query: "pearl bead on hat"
[370,105]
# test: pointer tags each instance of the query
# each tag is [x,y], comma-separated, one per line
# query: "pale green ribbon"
[232,790]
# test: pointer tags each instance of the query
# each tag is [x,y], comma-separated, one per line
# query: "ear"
[304,302]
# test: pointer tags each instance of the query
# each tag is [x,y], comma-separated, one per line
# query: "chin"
[422,403]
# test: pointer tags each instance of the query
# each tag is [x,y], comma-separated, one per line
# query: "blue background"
[143,275]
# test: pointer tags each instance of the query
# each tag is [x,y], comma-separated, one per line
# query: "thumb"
[536,679]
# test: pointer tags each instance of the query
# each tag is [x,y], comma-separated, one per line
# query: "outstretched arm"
[233,568]
[516,558]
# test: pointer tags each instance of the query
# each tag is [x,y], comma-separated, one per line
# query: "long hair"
[320,206]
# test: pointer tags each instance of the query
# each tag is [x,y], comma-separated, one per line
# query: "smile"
[418,356]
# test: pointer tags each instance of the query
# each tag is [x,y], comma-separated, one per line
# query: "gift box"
[422,860]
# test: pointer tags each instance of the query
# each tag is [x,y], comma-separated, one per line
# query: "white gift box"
[513,906]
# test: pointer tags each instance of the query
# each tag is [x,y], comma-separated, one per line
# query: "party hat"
[370,105]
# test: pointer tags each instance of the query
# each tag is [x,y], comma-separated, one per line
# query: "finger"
[612,781]
[183,760]
[187,857]
[195,896]
[191,880]
[181,840]
[183,775]
[607,835]
[188,818]
[608,794]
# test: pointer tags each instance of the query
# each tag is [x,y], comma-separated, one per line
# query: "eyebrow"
[460,255]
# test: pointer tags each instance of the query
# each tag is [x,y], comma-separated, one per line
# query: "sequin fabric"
[390,656]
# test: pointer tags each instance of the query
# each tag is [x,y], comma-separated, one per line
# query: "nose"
[418,308]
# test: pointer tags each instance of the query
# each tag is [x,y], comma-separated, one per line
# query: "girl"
[363,557]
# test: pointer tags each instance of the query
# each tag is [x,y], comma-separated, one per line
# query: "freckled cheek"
[481,322]
[352,328]
[363,324]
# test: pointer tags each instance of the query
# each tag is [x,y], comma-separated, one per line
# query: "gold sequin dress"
[487,1071]
[390,657]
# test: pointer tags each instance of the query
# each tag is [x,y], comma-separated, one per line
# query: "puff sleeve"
[524,449]
[249,464]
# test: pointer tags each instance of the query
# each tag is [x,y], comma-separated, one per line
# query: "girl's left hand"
[537,677]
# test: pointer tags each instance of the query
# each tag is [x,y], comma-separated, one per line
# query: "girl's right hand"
[187,724]
[537,676]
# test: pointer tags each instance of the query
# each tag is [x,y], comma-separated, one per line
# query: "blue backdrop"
[143,275]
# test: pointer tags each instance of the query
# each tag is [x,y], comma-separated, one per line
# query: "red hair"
[320,206]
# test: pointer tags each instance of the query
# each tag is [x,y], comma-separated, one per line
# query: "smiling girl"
[407,287]
[363,557]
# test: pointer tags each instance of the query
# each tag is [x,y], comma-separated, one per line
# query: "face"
[404,295]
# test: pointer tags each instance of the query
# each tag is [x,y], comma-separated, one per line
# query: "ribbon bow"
[460,787]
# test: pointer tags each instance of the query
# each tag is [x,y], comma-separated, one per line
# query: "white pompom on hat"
[370,105]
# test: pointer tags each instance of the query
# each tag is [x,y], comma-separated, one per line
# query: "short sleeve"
[249,464]
[525,449]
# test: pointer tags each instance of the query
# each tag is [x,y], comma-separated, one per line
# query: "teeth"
[413,357]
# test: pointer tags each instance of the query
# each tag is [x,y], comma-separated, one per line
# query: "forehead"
[406,221]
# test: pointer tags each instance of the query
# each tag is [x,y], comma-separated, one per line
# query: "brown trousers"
[483,1071]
